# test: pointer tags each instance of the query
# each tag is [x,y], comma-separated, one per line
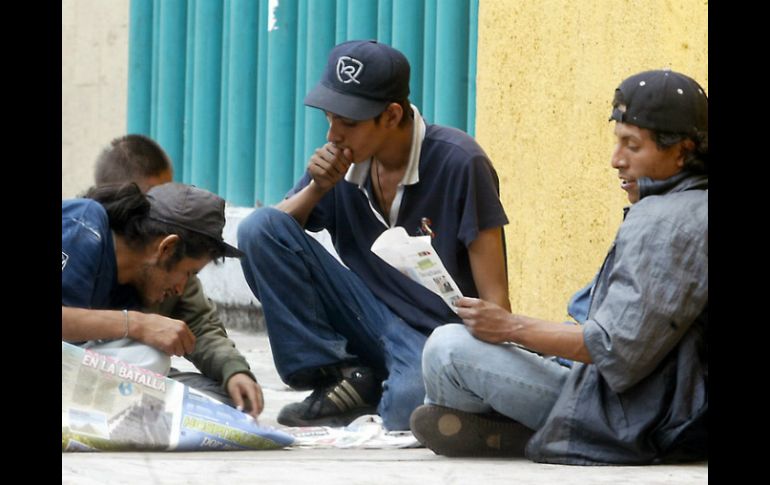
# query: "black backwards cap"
[662,100]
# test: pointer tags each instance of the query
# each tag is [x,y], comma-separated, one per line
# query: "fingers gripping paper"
[416,258]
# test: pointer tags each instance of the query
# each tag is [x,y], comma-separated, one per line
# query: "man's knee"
[258,224]
[202,383]
[445,342]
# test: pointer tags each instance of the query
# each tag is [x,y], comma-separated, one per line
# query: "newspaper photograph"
[415,257]
[110,405]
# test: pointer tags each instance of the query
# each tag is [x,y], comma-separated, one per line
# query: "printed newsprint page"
[109,405]
[415,257]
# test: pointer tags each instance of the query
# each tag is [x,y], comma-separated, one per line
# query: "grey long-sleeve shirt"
[645,396]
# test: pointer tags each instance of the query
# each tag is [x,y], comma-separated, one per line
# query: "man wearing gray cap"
[637,392]
[123,251]
[224,372]
[354,334]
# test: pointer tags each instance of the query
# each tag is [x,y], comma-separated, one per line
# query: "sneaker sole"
[451,432]
[336,421]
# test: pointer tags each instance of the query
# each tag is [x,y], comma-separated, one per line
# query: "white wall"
[94,99]
[94,81]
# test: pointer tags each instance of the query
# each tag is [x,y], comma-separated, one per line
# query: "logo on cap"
[348,70]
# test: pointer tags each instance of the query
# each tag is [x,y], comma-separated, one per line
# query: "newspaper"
[365,432]
[415,257]
[110,405]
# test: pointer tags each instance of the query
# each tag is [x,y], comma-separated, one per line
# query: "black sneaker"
[451,432]
[354,394]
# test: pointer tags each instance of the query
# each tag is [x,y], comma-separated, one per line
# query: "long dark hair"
[128,210]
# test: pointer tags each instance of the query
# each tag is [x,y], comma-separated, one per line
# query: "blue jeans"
[319,313]
[464,373]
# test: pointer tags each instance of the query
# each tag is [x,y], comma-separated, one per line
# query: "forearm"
[81,324]
[497,294]
[301,204]
[216,356]
[487,260]
[548,338]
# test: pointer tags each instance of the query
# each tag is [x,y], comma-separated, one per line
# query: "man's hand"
[329,164]
[165,334]
[490,323]
[246,394]
[486,321]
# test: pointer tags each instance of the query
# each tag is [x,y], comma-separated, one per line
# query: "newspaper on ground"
[364,432]
[110,405]
[415,257]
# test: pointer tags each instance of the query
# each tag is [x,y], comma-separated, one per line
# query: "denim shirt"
[644,399]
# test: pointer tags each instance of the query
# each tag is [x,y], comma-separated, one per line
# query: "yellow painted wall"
[547,71]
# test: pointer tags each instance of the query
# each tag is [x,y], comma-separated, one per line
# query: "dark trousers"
[318,314]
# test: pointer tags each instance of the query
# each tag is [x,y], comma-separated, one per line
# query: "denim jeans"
[464,373]
[319,313]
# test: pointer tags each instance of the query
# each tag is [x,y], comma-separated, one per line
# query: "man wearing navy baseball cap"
[354,332]
[631,382]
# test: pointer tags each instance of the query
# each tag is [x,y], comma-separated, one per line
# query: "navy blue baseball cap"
[662,100]
[361,78]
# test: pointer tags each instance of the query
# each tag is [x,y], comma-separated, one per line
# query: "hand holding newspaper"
[416,258]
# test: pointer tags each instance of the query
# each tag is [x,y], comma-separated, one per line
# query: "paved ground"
[322,466]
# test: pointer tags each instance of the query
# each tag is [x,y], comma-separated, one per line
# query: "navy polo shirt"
[89,276]
[458,190]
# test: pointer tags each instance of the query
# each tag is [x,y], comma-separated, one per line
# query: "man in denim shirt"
[637,392]
[224,373]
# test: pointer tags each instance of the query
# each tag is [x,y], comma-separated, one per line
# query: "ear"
[167,246]
[394,114]
[686,146]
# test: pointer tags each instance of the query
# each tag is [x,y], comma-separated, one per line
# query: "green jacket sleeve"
[215,354]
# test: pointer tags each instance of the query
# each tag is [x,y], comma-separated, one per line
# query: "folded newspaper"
[415,257]
[110,405]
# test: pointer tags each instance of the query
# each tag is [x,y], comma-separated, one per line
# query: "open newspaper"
[109,405]
[415,257]
[365,432]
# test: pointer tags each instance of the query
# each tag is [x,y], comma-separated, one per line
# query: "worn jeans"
[319,314]
[464,373]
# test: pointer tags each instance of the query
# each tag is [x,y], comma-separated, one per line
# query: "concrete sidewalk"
[331,466]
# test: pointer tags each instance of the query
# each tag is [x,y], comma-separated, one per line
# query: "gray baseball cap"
[191,208]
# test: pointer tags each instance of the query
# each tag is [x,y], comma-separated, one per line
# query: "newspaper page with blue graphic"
[110,405]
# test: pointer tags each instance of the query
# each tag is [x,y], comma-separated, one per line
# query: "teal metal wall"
[220,83]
